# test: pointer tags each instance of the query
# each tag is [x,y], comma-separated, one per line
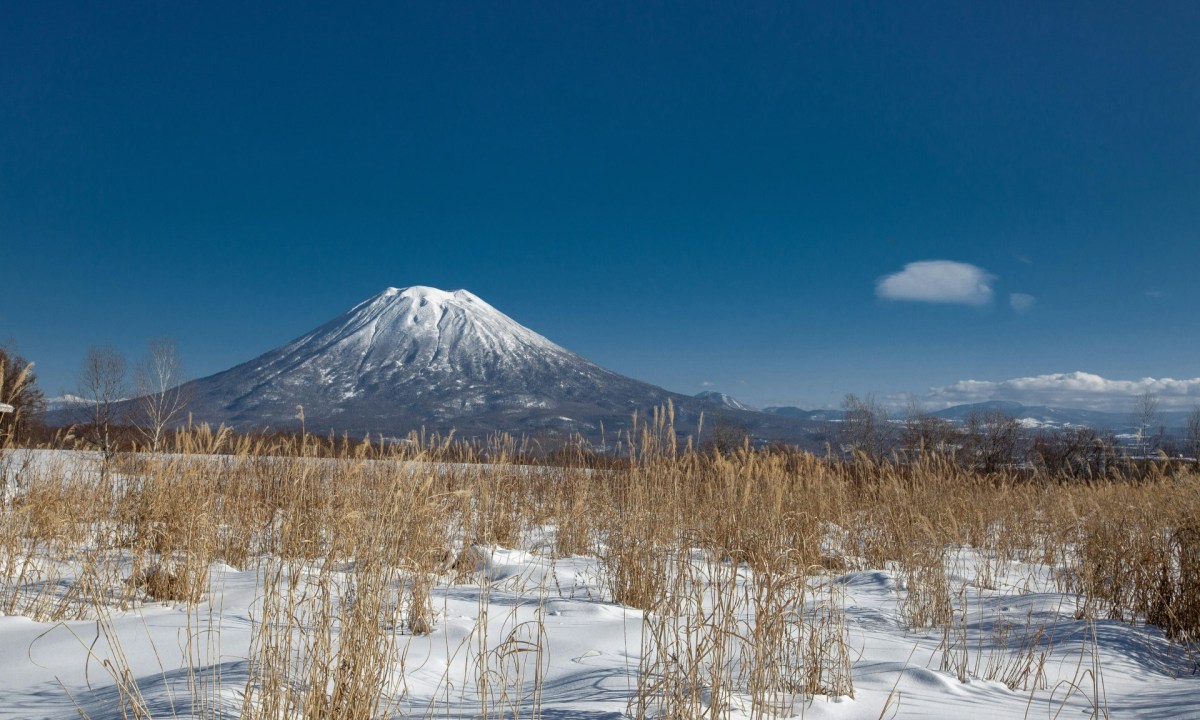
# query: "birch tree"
[162,399]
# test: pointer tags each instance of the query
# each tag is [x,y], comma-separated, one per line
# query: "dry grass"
[734,558]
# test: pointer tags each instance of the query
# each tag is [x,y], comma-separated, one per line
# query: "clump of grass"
[1019,653]
[926,601]
[688,647]
[162,583]
[1177,606]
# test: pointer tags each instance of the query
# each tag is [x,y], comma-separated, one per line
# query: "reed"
[734,558]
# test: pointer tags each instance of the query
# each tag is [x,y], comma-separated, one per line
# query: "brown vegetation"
[727,552]
[18,389]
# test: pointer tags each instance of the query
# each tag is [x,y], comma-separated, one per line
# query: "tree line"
[992,440]
[119,407]
[111,403]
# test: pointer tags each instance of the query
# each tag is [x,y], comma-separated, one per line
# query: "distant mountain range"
[1043,416]
[1039,414]
[1032,416]
[422,358]
[801,414]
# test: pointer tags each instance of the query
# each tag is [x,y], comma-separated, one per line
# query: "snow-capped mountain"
[422,357]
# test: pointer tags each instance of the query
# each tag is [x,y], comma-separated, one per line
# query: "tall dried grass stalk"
[734,557]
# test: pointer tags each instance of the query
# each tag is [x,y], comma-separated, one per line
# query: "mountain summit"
[422,357]
[723,399]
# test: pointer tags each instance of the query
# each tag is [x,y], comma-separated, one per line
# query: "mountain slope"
[422,357]
[723,399]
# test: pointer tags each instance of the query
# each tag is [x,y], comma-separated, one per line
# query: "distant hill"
[800,414]
[1041,415]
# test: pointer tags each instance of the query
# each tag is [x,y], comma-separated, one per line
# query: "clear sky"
[727,196]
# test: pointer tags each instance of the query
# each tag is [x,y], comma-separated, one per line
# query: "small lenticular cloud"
[938,281]
[1022,302]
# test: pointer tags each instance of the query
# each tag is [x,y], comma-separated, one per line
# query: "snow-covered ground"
[535,635]
[591,648]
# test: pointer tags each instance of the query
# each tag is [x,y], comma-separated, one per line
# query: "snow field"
[748,587]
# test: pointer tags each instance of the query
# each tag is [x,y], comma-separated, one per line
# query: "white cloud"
[707,383]
[1022,302]
[938,281]
[1077,390]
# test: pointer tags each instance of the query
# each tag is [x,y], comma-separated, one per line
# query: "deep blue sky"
[686,193]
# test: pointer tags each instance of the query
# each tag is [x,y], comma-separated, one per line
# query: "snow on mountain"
[422,357]
[796,413]
[724,400]
[1037,416]
[66,402]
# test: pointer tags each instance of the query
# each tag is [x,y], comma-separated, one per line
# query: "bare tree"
[925,433]
[866,426]
[1145,414]
[162,399]
[1080,452]
[101,388]
[18,389]
[725,437]
[993,440]
[1192,438]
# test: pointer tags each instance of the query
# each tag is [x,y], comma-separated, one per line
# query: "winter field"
[216,582]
